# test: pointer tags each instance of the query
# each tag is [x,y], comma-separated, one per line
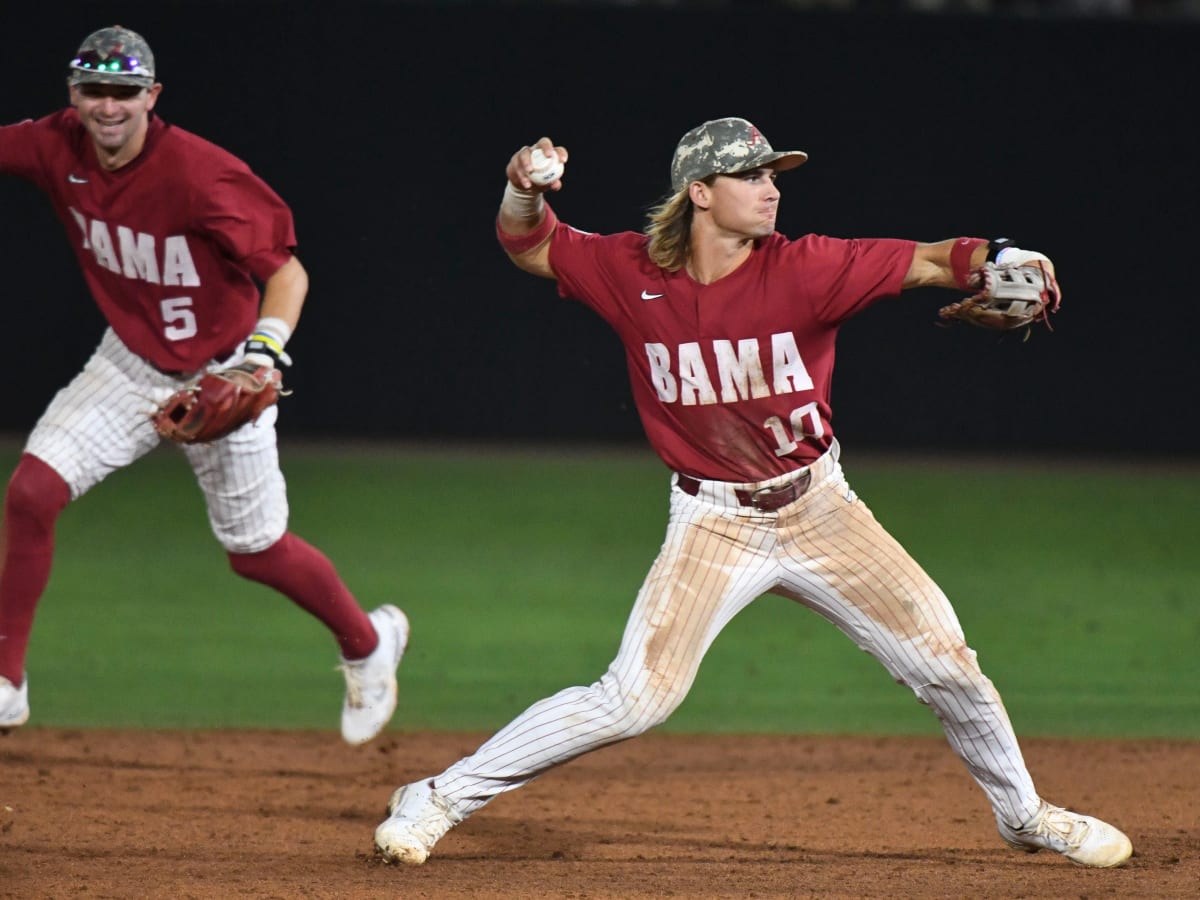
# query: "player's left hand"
[1012,295]
[218,403]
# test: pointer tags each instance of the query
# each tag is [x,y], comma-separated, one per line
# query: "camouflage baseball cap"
[726,147]
[113,55]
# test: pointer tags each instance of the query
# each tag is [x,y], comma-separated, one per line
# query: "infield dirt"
[204,814]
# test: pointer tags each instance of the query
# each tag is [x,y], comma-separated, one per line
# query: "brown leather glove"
[218,403]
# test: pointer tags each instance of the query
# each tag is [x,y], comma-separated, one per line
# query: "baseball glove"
[218,403]
[1006,298]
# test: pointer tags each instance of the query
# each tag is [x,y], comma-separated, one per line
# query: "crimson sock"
[305,575]
[36,495]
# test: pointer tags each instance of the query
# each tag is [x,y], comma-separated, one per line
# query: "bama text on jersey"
[136,254]
[740,374]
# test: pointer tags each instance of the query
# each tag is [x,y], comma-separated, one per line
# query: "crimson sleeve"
[249,221]
[19,151]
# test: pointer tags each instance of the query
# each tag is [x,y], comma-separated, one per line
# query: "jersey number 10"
[804,422]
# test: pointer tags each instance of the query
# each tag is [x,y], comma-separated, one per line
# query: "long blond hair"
[669,227]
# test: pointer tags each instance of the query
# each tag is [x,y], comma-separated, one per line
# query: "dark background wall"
[387,128]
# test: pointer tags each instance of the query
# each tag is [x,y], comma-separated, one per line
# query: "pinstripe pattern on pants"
[825,551]
[101,422]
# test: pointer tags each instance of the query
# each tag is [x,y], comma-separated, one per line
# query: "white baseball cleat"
[371,682]
[1083,840]
[14,704]
[419,818]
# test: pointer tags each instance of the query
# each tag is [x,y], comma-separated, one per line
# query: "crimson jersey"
[731,379]
[170,244]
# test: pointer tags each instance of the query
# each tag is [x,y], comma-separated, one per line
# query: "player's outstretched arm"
[1009,288]
[933,264]
[949,263]
[525,223]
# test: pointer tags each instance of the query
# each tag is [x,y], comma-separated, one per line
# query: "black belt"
[767,499]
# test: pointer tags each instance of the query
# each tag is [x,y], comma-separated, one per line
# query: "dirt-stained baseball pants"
[827,552]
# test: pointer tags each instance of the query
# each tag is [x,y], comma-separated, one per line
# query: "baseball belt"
[767,499]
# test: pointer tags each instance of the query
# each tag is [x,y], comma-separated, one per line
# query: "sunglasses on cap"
[112,63]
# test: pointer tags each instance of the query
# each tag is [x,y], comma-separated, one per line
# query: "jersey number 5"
[179,322]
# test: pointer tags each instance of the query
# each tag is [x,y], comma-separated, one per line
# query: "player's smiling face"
[746,203]
[116,117]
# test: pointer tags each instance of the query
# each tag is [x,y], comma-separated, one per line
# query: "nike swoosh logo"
[646,296]
[75,179]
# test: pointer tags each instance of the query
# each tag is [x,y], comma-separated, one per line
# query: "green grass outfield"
[1078,585]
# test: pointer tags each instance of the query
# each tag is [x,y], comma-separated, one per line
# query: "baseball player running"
[729,331]
[172,233]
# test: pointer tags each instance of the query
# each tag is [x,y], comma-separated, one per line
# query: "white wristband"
[265,346]
[521,204]
[276,328]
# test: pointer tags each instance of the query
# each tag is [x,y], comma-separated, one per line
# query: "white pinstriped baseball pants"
[827,552]
[101,422]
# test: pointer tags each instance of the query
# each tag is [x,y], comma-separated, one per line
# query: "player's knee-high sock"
[305,575]
[36,495]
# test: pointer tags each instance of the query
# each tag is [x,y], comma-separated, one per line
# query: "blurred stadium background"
[386,125]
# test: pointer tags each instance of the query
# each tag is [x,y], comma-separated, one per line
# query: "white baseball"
[546,169]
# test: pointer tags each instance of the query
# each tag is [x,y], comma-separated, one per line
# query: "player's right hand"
[521,167]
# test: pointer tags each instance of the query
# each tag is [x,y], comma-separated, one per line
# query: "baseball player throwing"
[172,234]
[729,330]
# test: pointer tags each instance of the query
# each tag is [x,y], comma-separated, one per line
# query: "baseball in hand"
[546,169]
